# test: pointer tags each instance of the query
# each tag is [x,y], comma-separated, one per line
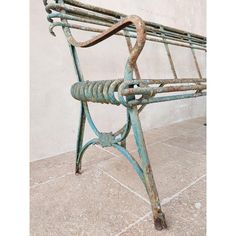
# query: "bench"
[130,91]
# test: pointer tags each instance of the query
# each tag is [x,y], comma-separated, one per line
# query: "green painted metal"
[131,159]
[124,91]
[103,91]
[158,215]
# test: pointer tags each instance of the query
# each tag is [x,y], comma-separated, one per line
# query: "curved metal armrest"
[135,20]
[136,50]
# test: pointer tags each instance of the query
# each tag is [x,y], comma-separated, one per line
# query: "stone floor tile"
[185,215]
[109,197]
[191,142]
[149,137]
[49,168]
[88,204]
[201,132]
[189,125]
[173,168]
[174,130]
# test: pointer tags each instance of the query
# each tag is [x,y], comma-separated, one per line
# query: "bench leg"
[80,140]
[158,215]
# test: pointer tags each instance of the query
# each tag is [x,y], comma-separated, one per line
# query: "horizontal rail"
[92,29]
[118,15]
[164,99]
[104,91]
[165,81]
[151,91]
[150,31]
[77,11]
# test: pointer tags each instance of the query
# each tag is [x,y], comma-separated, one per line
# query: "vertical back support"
[195,60]
[169,55]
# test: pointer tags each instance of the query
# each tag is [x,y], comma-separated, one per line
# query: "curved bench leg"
[158,215]
[80,138]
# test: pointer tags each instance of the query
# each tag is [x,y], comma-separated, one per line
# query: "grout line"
[163,202]
[113,154]
[51,180]
[168,199]
[99,147]
[133,224]
[126,187]
[52,156]
[186,150]
[67,174]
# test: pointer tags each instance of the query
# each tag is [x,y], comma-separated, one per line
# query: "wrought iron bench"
[131,91]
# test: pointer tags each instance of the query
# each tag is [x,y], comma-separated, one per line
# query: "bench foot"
[160,222]
[78,170]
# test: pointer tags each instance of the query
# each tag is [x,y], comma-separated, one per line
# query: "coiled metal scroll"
[97,91]
[116,91]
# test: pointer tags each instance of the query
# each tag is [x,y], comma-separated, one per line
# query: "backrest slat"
[169,57]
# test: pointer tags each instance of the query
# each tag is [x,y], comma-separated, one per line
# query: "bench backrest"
[76,15]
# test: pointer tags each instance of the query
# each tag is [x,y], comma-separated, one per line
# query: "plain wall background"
[55,114]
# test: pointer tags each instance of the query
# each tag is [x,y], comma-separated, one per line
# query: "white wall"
[55,114]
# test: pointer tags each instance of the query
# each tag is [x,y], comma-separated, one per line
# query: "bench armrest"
[140,41]
[115,28]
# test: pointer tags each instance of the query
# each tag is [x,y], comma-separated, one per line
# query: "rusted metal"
[71,14]
[158,215]
[163,99]
[129,44]
[92,29]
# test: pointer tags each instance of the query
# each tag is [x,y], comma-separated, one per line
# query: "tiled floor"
[109,199]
